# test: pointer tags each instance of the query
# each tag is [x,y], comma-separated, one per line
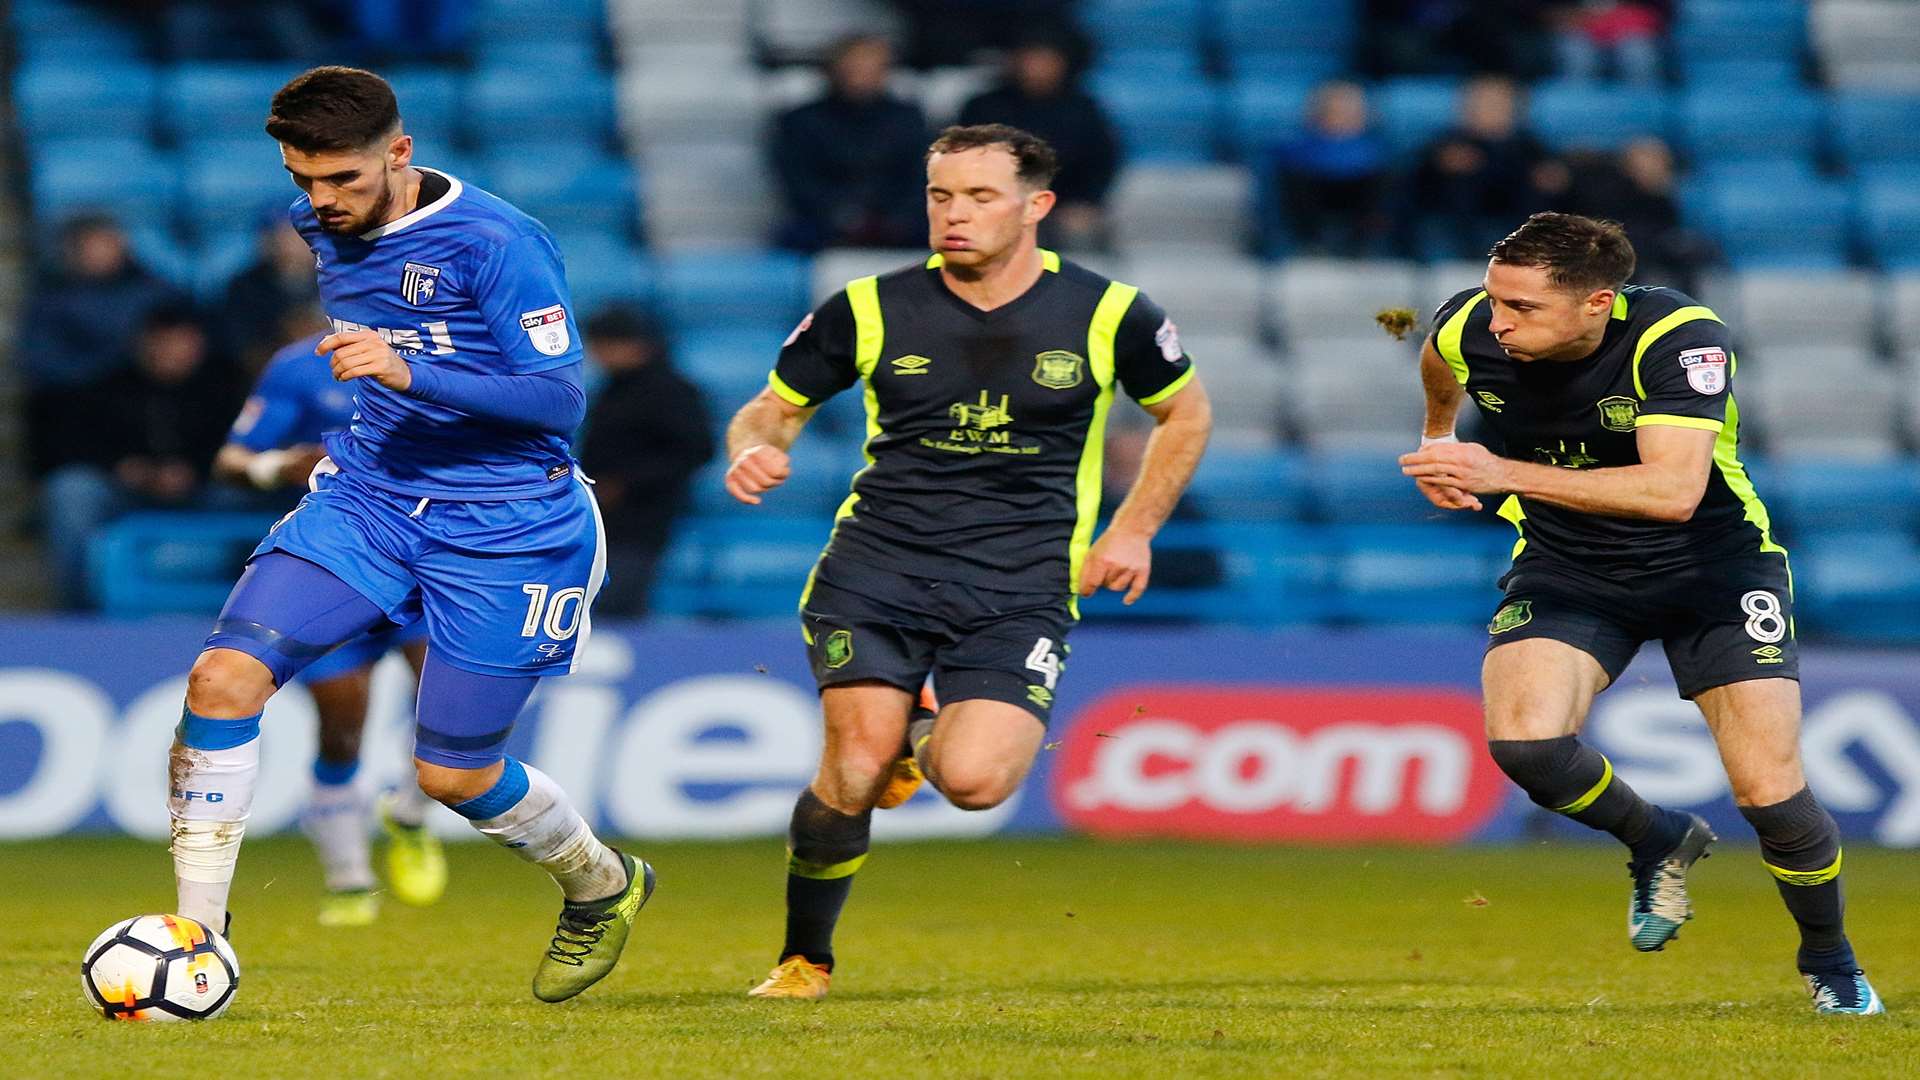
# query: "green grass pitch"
[1002,958]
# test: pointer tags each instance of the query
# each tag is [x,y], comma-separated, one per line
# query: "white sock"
[210,794]
[337,819]
[544,828]
[406,804]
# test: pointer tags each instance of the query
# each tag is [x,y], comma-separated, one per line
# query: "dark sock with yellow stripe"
[825,847]
[1801,846]
[1569,777]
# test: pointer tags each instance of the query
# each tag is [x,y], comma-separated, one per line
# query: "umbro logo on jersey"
[1491,400]
[417,282]
[910,365]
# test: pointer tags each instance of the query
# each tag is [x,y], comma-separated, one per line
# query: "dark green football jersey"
[1665,360]
[984,428]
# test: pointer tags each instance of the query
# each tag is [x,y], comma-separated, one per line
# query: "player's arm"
[267,469]
[1444,393]
[1665,486]
[816,362]
[1150,363]
[255,452]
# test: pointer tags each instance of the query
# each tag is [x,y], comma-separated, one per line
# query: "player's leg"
[416,863]
[339,815]
[981,750]
[1549,654]
[996,683]
[284,613]
[906,776]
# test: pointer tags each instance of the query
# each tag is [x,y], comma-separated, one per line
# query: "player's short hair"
[333,108]
[1577,252]
[1034,160]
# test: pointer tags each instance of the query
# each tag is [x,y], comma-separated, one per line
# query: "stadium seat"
[1834,308]
[429,108]
[1347,488]
[1902,301]
[833,268]
[536,18]
[568,187]
[1215,295]
[1890,221]
[1299,27]
[1413,111]
[1370,407]
[797,31]
[604,268]
[733,289]
[1774,29]
[220,100]
[1250,485]
[158,248]
[1734,123]
[215,260]
[1877,127]
[1175,25]
[1821,401]
[1319,298]
[99,99]
[706,195]
[1152,62]
[727,352]
[1168,205]
[754,564]
[686,104]
[1160,122]
[1270,574]
[506,108]
[232,184]
[154,562]
[122,176]
[1868,44]
[1861,586]
[554,56]
[60,33]
[1311,65]
[1812,495]
[1583,115]
[1434,573]
[1734,72]
[1264,112]
[1762,224]
[1246,384]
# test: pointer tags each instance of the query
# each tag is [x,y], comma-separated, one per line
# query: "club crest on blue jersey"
[417,282]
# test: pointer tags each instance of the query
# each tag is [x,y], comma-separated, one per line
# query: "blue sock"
[500,798]
[334,773]
[206,733]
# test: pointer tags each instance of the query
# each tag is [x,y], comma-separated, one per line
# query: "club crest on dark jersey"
[1618,413]
[417,282]
[1058,369]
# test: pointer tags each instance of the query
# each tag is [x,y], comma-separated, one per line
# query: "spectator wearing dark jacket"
[1332,178]
[278,284]
[78,328]
[1042,94]
[1479,176]
[1635,187]
[647,431]
[851,165]
[156,425]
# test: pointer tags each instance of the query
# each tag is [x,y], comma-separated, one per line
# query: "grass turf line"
[1001,958]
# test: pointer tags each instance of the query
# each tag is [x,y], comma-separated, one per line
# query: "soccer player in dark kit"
[987,372]
[1637,522]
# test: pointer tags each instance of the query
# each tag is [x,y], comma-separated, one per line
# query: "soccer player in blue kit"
[450,497]
[274,444]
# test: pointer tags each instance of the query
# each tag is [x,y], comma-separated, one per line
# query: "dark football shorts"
[862,622]
[1720,622]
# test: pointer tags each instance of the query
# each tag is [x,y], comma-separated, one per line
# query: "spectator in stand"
[646,432]
[156,425]
[1457,37]
[217,30]
[941,33]
[259,300]
[1478,177]
[1332,178]
[850,164]
[80,321]
[1042,94]
[1636,188]
[1594,39]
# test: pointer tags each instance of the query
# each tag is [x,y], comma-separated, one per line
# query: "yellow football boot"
[416,864]
[794,978]
[350,907]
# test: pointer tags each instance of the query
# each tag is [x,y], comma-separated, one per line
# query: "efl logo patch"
[1168,338]
[1706,369]
[798,330]
[417,282]
[547,329]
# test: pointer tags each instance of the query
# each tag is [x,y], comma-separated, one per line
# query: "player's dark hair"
[1034,160]
[1579,253]
[333,108]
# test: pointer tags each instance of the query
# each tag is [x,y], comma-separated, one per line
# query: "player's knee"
[451,787]
[974,786]
[228,683]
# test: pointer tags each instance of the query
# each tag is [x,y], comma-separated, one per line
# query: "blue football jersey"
[296,401]
[466,283]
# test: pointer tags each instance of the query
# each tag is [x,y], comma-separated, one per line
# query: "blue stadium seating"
[506,107]
[1429,574]
[1313,65]
[231,184]
[1773,29]
[1263,112]
[728,351]
[733,289]
[1764,223]
[221,100]
[1142,63]
[1862,586]
[429,107]
[1365,488]
[568,188]
[149,563]
[1890,220]
[1413,111]
[1174,25]
[1250,27]
[1250,485]
[552,57]
[1734,123]
[60,33]
[537,18]
[1716,72]
[1877,127]
[158,248]
[1810,497]
[602,269]
[1571,115]
[124,176]
[1158,121]
[95,99]
[216,259]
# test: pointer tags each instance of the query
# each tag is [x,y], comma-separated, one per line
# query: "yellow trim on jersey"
[1659,330]
[1100,337]
[869,334]
[1049,261]
[1807,877]
[800,867]
[787,393]
[1446,340]
[1620,305]
[1726,455]
[1170,389]
[1699,423]
[1513,512]
[1594,792]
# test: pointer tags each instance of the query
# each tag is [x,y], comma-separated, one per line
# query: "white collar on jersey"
[454,188]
